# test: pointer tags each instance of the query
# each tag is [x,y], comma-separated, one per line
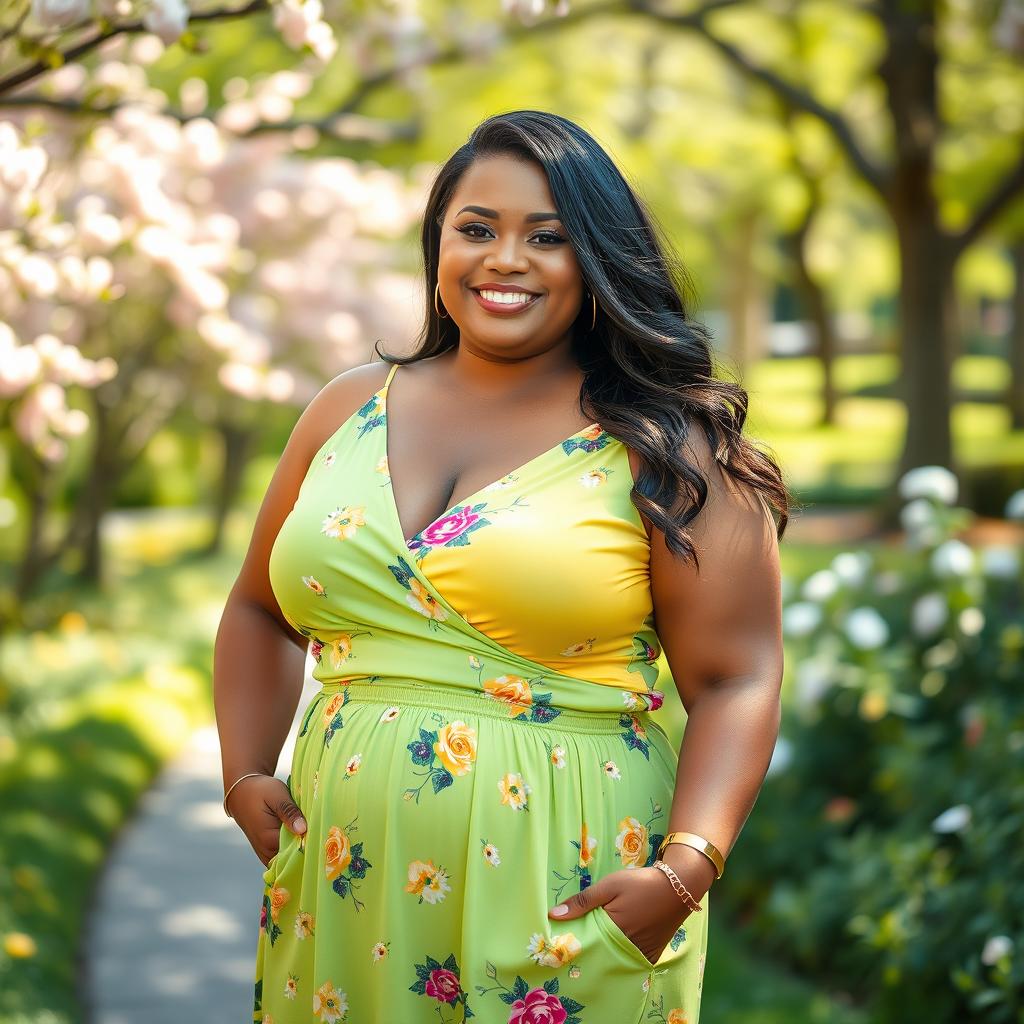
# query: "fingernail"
[560,911]
[300,824]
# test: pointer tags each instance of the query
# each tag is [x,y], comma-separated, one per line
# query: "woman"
[475,820]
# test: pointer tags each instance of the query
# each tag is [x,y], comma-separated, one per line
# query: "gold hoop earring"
[442,316]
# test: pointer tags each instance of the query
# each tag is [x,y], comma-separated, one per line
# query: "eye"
[545,237]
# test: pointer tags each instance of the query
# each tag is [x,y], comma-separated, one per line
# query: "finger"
[291,816]
[577,904]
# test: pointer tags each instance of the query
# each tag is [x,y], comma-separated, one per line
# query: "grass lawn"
[854,458]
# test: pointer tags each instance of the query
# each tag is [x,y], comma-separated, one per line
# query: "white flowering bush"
[888,850]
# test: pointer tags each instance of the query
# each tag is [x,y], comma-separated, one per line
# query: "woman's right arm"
[259,659]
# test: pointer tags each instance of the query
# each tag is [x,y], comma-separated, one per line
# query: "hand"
[259,804]
[641,901]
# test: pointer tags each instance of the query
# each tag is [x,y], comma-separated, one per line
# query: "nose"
[506,254]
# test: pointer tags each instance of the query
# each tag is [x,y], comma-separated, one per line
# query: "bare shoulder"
[332,405]
[339,398]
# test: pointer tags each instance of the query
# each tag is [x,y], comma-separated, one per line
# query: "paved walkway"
[172,936]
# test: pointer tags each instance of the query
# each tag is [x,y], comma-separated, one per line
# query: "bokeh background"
[207,212]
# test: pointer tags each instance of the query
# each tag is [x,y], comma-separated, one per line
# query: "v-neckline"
[469,497]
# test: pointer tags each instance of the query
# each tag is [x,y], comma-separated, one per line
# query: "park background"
[206,214]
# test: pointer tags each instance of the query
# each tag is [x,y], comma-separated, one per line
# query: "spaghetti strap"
[391,373]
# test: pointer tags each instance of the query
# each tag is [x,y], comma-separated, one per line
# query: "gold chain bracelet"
[684,894]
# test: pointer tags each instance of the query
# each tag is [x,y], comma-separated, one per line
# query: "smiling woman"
[476,558]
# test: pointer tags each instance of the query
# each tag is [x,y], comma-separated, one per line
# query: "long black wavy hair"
[648,370]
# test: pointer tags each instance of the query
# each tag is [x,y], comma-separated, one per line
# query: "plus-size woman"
[486,546]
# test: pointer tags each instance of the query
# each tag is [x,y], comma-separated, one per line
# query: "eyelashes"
[467,228]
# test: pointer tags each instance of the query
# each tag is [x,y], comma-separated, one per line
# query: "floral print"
[635,735]
[539,1005]
[454,528]
[344,862]
[481,748]
[342,523]
[445,753]
[427,882]
[580,870]
[637,844]
[419,597]
[441,982]
[514,791]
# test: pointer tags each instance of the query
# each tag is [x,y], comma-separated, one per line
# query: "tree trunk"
[236,444]
[104,472]
[926,345]
[743,293]
[815,305]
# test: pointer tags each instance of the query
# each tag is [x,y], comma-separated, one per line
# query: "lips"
[504,308]
[502,288]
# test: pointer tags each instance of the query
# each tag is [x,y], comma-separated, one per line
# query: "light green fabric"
[454,787]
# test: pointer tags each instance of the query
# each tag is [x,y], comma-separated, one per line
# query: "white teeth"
[506,298]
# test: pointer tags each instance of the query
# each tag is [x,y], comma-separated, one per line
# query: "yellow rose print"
[456,747]
[337,852]
[631,842]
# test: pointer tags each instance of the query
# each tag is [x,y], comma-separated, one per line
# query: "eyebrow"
[493,214]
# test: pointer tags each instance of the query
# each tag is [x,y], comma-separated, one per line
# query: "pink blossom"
[443,985]
[450,527]
[539,1007]
[167,18]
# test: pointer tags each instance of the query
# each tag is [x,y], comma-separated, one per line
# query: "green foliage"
[890,834]
[66,788]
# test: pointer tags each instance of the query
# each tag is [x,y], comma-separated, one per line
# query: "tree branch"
[344,125]
[19,78]
[875,175]
[1002,194]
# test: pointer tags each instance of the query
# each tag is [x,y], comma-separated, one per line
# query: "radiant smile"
[504,302]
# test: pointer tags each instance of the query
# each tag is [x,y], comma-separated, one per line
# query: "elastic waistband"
[438,697]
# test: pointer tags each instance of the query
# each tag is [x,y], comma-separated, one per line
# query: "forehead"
[511,186]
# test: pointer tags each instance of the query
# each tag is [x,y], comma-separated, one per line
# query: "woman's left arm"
[721,630]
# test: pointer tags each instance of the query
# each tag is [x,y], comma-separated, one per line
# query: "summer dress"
[483,746]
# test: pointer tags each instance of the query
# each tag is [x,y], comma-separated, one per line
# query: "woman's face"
[501,228]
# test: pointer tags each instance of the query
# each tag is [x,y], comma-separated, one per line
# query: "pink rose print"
[539,1007]
[448,528]
[443,985]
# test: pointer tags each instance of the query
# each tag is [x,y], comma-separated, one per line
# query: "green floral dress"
[483,746]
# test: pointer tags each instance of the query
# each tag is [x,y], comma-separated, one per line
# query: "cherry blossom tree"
[150,267]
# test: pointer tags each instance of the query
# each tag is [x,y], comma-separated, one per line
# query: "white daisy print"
[595,477]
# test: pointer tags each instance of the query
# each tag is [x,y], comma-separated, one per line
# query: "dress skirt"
[442,826]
